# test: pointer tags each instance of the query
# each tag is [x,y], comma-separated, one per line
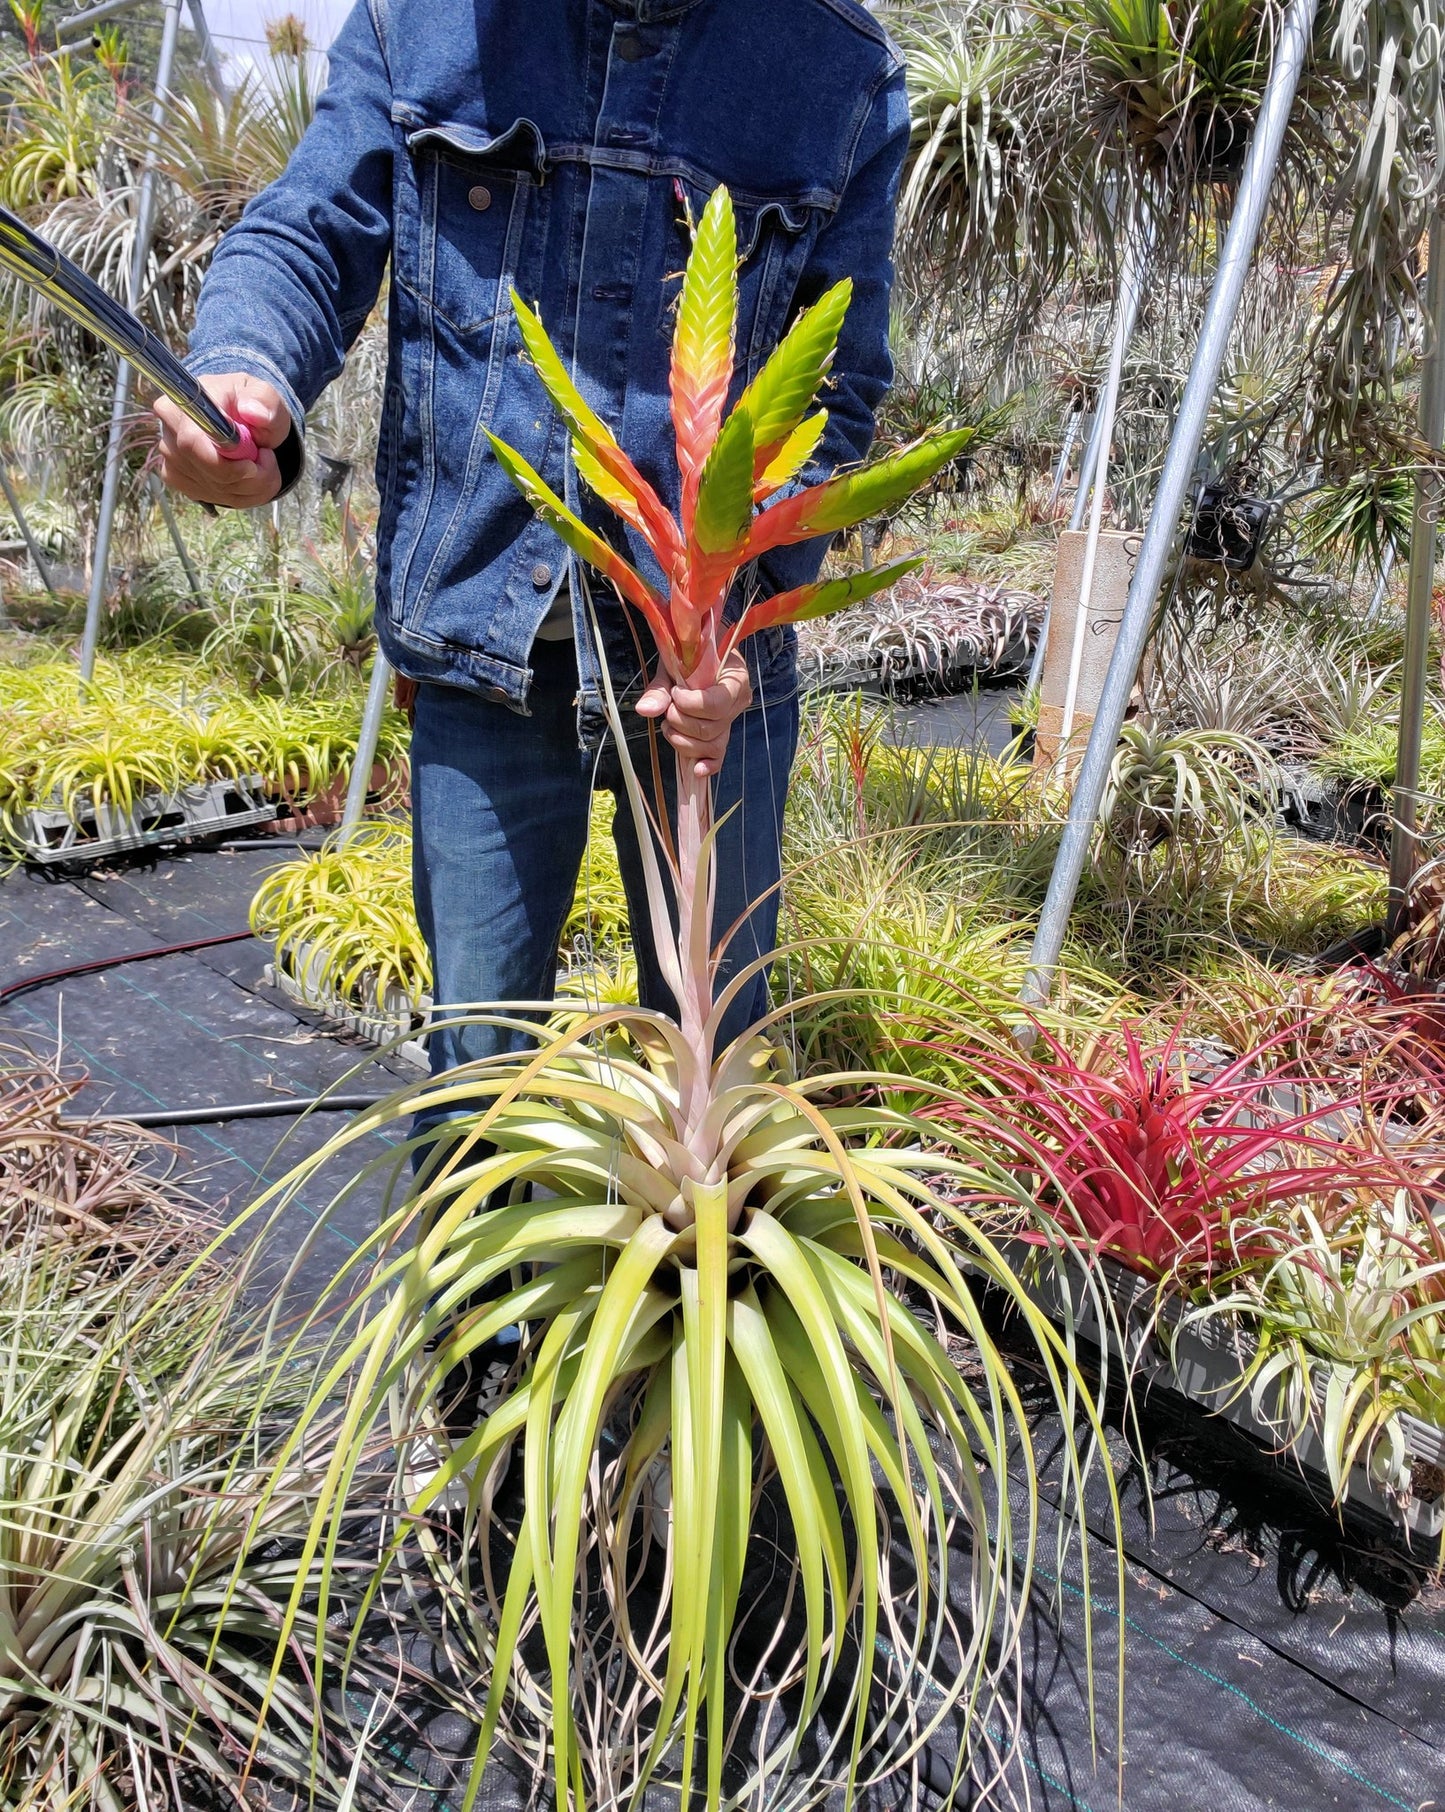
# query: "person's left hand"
[698,722]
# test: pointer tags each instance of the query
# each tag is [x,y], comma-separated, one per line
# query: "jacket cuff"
[219,361]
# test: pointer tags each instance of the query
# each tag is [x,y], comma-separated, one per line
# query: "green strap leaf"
[566,398]
[725,495]
[583,542]
[596,449]
[785,389]
[822,598]
[793,455]
[843,502]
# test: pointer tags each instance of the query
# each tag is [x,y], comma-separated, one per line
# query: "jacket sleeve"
[293,281]
[856,243]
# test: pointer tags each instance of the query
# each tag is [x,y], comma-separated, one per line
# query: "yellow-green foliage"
[151,723]
[1368,753]
[344,917]
[913,880]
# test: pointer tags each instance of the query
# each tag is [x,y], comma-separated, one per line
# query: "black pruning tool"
[64,284]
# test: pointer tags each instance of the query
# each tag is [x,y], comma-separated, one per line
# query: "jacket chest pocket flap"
[471,192]
[775,237]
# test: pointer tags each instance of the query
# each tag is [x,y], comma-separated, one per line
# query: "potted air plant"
[732,1291]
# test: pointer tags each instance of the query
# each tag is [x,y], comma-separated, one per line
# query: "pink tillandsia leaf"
[1172,1173]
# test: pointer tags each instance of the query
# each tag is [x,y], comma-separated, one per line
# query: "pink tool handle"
[245,447]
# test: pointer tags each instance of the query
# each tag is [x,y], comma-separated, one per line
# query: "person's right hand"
[190,461]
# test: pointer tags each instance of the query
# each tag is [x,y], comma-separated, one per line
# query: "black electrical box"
[1228,527]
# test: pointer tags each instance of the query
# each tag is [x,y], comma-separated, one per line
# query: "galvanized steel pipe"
[1175,485]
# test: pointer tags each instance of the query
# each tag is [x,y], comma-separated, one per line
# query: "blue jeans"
[501,809]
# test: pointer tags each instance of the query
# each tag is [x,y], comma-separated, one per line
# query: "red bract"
[1171,1172]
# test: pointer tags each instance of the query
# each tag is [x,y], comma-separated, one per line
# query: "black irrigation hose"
[11,989]
[237,1110]
[191,1116]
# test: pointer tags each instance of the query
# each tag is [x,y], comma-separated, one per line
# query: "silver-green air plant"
[740,1302]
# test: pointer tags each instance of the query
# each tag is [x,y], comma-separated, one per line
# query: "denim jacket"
[558,146]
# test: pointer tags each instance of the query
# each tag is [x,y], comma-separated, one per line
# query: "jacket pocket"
[776,235]
[457,245]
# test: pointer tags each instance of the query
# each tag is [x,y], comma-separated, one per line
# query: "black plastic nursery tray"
[1203,1365]
[209,809]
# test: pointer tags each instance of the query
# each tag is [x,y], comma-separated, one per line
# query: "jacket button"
[480,197]
[541,575]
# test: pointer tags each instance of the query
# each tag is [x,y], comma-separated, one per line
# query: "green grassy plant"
[344,917]
[151,723]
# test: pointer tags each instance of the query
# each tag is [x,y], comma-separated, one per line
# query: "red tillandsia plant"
[1173,1172]
[730,463]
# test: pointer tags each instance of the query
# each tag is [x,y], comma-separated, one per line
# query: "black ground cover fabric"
[187,1031]
[1273,1658]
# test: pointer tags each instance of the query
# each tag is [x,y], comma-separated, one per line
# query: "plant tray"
[1204,1364]
[211,808]
[373,1021]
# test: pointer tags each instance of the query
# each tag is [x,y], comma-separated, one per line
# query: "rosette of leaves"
[1346,1313]
[723,1278]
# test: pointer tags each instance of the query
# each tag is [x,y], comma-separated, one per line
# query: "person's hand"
[698,722]
[191,463]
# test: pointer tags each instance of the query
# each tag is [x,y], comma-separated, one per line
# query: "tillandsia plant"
[140,1586]
[1152,1155]
[735,1305]
[1346,1311]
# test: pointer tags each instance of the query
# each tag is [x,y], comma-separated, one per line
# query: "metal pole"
[1087,468]
[1175,485]
[1382,586]
[1132,285]
[1391,556]
[12,502]
[1061,470]
[1424,533]
[366,742]
[124,376]
[1124,326]
[168,515]
[215,75]
[80,24]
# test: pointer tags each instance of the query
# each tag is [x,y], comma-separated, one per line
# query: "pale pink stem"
[696,889]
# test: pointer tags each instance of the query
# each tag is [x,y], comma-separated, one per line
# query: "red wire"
[114,962]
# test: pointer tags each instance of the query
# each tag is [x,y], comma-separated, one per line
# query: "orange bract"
[729,465]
